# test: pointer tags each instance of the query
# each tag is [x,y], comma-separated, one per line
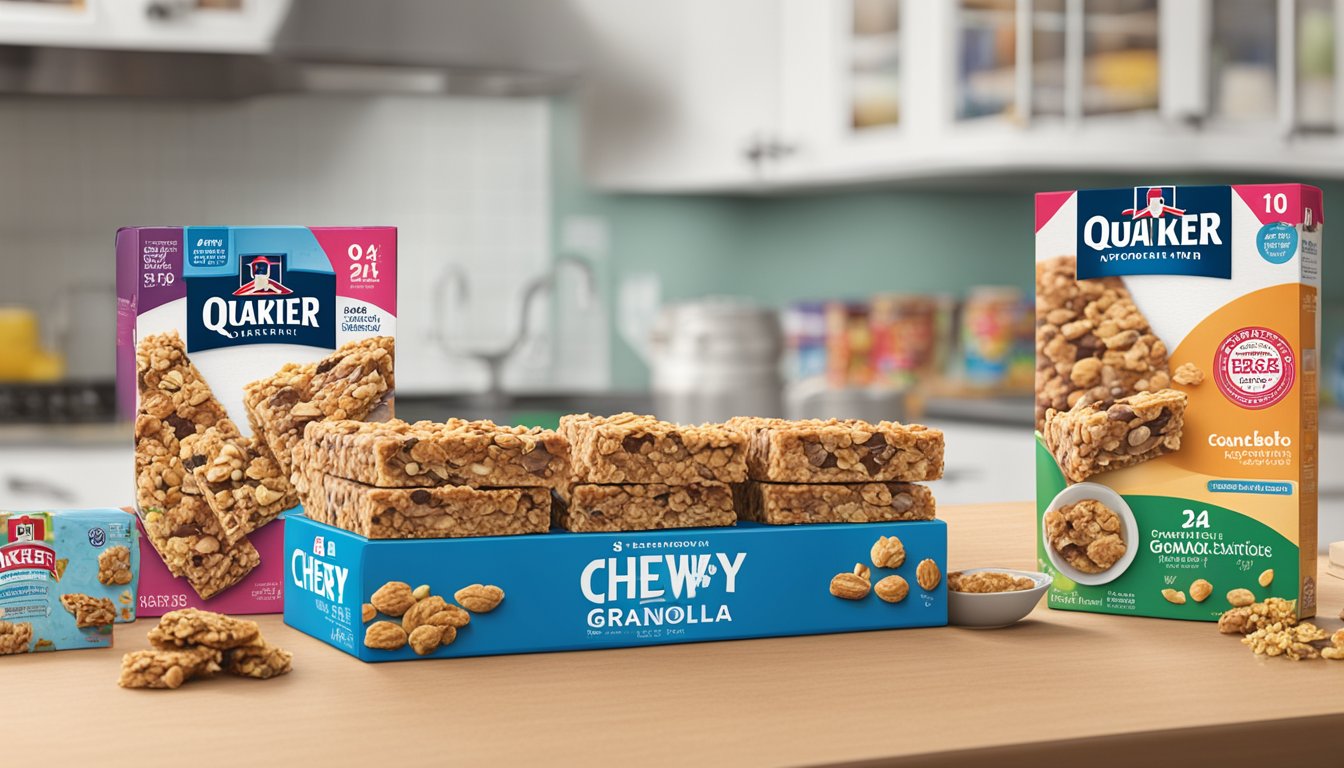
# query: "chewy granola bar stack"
[398,480]
[837,471]
[201,485]
[633,472]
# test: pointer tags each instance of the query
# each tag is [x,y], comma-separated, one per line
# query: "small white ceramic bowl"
[989,610]
[1116,503]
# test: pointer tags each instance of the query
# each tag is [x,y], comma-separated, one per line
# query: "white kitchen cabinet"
[699,96]
[681,95]
[214,26]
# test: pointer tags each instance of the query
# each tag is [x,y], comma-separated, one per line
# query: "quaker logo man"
[26,529]
[261,276]
[1156,205]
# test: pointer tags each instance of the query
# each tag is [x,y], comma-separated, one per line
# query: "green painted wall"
[830,244]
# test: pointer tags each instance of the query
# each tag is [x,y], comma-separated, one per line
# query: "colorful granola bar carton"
[402,599]
[230,340]
[66,576]
[1177,359]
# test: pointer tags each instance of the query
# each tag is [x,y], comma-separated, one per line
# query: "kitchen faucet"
[494,398]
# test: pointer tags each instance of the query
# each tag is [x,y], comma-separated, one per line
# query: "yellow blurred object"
[21,355]
[47,366]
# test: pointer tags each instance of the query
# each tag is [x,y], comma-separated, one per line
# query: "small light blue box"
[578,591]
[47,554]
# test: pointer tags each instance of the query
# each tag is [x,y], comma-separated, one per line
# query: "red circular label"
[1255,368]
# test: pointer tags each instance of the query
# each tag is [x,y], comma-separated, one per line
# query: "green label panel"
[1179,541]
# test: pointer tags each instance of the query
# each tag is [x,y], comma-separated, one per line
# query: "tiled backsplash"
[467,181]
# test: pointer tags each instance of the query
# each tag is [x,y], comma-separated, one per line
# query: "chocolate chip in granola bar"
[193,461]
[1120,413]
[181,427]
[185,530]
[635,444]
[409,443]
[816,454]
[872,463]
[1161,421]
[419,496]
[537,460]
[326,365]
[284,398]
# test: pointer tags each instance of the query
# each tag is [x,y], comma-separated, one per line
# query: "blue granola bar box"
[66,576]
[576,591]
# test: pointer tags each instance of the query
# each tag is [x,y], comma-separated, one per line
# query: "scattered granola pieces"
[1248,618]
[259,660]
[385,636]
[1291,640]
[1240,597]
[367,612]
[158,668]
[1266,577]
[849,586]
[1087,535]
[892,589]
[1200,589]
[1188,375]
[928,575]
[393,598]
[420,592]
[89,611]
[125,597]
[863,572]
[192,627]
[425,639]
[987,581]
[1174,596]
[479,598]
[114,566]
[888,552]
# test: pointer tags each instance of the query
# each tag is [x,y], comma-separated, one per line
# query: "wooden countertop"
[1096,690]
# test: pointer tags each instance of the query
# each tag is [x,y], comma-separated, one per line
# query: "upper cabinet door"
[209,26]
[681,94]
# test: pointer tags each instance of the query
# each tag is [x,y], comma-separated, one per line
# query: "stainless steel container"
[716,358]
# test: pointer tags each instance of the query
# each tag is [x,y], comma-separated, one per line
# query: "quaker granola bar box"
[230,340]
[1177,356]
[398,599]
[66,576]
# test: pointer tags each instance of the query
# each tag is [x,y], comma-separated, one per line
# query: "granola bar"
[157,668]
[1096,437]
[259,660]
[627,448]
[1086,534]
[791,504]
[586,507]
[191,627]
[840,451]
[242,483]
[397,454]
[89,611]
[15,637]
[175,402]
[1092,342]
[191,543]
[114,566]
[447,511]
[350,383]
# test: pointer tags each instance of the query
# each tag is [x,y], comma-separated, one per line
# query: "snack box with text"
[230,340]
[66,576]
[1177,365]
[578,591]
